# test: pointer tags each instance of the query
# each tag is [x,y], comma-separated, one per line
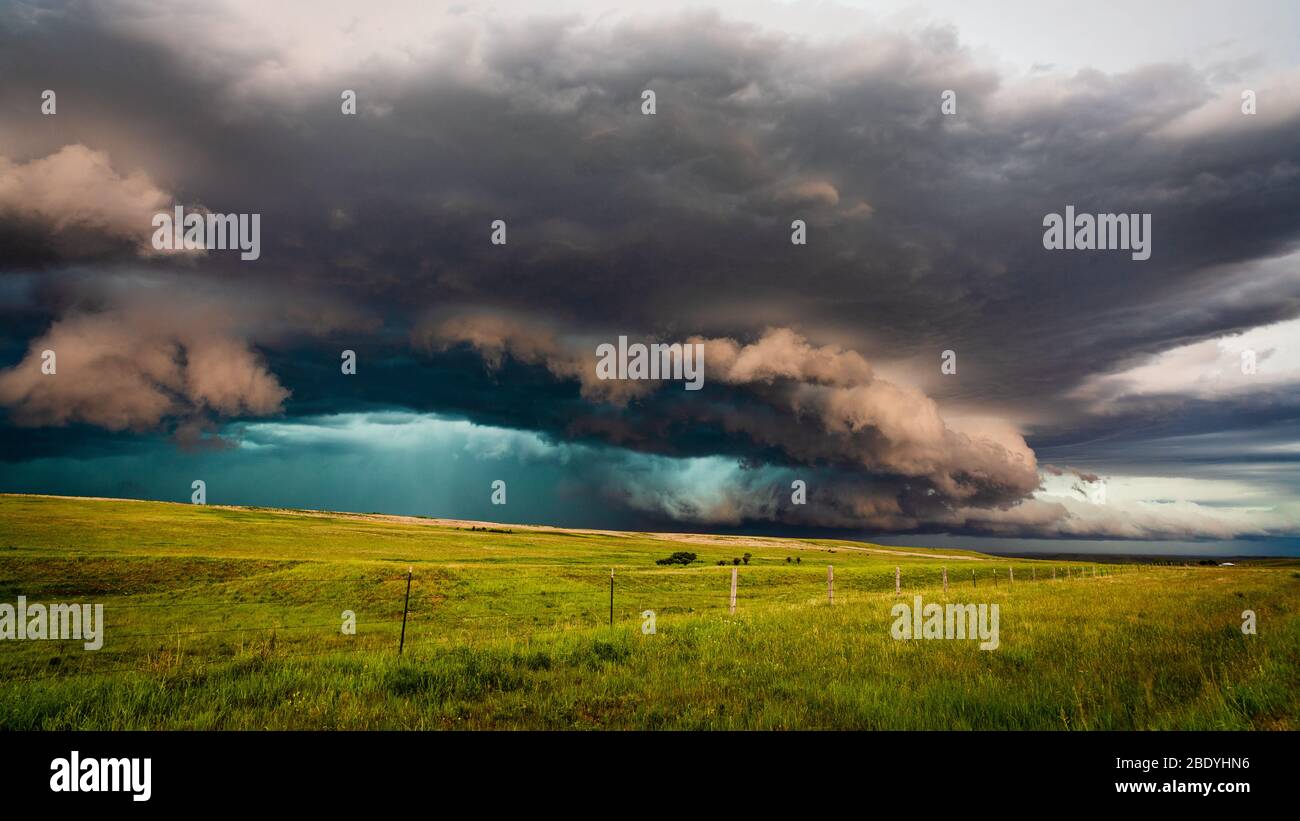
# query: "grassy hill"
[221,617]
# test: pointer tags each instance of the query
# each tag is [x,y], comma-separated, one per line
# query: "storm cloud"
[822,360]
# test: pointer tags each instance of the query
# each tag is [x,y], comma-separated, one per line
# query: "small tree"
[787,559]
[798,559]
[735,560]
[747,557]
[680,557]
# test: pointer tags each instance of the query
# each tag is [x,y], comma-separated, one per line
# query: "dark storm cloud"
[924,230]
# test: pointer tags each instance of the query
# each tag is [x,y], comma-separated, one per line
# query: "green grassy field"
[230,618]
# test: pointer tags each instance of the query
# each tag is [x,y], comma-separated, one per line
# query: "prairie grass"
[223,618]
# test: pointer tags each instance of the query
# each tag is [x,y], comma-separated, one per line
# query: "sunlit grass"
[221,618]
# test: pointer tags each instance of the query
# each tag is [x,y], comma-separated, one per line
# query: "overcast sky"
[1098,403]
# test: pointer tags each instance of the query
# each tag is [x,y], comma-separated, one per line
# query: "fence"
[394,612]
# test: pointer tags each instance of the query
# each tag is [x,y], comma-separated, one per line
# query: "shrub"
[787,560]
[798,559]
[736,560]
[747,557]
[680,557]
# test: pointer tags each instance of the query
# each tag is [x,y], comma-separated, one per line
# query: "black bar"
[307,770]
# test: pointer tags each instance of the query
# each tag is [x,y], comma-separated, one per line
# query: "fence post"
[898,581]
[1011,575]
[406,603]
[611,597]
[830,583]
[945,581]
[733,591]
[972,578]
[1053,572]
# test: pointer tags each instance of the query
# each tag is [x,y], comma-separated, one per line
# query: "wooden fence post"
[898,581]
[972,578]
[406,603]
[733,591]
[830,583]
[1011,575]
[611,597]
[945,581]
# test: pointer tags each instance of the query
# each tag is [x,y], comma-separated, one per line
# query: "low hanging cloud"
[873,454]
[497,336]
[79,203]
[1072,518]
[670,493]
[136,364]
[786,401]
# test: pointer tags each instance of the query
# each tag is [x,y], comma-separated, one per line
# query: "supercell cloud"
[1075,371]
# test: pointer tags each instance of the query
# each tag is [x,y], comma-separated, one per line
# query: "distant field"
[230,618]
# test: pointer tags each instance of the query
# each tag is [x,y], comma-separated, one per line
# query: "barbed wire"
[517,624]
